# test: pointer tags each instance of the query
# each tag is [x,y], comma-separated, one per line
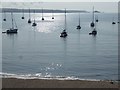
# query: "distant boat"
[4,16]
[42,14]
[34,23]
[23,14]
[13,29]
[64,33]
[113,22]
[52,14]
[79,27]
[96,18]
[29,20]
[92,23]
[94,32]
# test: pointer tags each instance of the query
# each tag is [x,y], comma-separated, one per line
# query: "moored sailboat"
[42,14]
[52,14]
[113,22]
[64,33]
[94,32]
[13,29]
[4,19]
[96,18]
[79,27]
[92,23]
[23,14]
[29,20]
[34,23]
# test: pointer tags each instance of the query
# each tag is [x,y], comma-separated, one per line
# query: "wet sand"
[40,83]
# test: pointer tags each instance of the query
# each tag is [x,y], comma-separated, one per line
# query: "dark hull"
[113,23]
[4,19]
[63,34]
[78,27]
[34,24]
[23,18]
[42,18]
[93,33]
[11,31]
[96,20]
[29,21]
[92,24]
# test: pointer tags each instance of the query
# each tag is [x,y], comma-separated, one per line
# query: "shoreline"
[53,83]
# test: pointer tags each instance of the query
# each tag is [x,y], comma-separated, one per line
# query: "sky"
[61,0]
[100,5]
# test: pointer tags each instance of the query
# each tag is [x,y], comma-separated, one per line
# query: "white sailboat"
[29,20]
[64,33]
[34,23]
[92,23]
[79,27]
[13,29]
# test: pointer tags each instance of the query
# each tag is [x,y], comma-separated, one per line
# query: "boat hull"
[92,24]
[29,21]
[63,34]
[78,27]
[11,31]
[93,33]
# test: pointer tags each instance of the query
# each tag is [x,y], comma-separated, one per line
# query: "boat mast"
[52,14]
[34,16]
[12,20]
[23,12]
[29,14]
[65,20]
[93,14]
[4,15]
[79,19]
[42,12]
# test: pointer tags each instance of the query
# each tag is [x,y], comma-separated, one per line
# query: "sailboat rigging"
[64,33]
[79,27]
[92,23]
[52,14]
[42,14]
[29,20]
[34,23]
[13,29]
[23,14]
[96,18]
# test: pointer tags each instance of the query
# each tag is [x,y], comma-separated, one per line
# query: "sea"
[40,53]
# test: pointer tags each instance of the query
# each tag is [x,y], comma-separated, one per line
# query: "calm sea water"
[39,52]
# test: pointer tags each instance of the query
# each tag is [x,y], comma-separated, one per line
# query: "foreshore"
[45,83]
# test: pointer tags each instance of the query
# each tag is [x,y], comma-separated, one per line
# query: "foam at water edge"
[40,76]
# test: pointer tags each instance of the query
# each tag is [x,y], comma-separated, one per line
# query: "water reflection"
[78,39]
[12,38]
[94,37]
[64,43]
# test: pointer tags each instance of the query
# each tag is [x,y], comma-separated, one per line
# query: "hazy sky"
[109,6]
[62,0]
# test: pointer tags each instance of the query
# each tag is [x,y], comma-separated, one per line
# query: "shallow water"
[40,52]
